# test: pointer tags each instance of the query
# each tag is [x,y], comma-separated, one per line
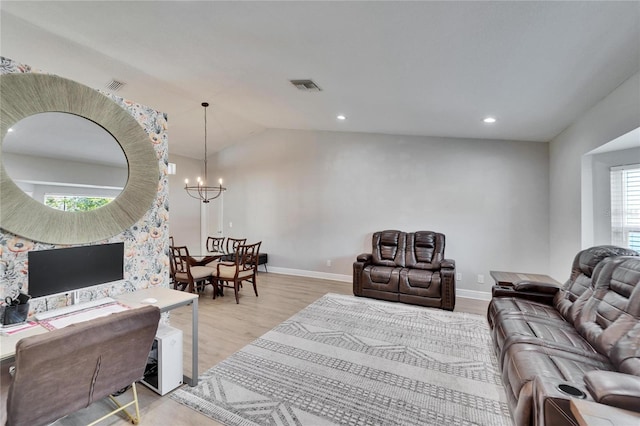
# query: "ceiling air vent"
[306,85]
[114,85]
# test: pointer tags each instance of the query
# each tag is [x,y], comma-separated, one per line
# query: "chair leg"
[135,420]
[255,289]
[235,289]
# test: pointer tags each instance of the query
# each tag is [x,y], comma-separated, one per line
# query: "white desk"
[167,299]
[8,342]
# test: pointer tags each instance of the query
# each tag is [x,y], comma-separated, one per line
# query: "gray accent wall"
[315,197]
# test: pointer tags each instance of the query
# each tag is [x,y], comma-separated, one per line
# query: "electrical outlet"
[458,276]
[230,224]
[480,279]
[328,262]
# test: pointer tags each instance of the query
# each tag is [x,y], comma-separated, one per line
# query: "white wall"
[596,192]
[184,213]
[615,115]
[49,170]
[318,196]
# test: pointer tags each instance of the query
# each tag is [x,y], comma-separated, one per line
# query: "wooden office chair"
[243,268]
[190,277]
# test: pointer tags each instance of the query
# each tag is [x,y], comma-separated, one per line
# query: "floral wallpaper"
[146,262]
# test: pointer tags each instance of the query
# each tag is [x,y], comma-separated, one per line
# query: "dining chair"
[215,245]
[189,276]
[243,268]
[231,246]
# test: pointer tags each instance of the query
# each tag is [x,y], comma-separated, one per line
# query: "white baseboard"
[460,292]
[311,274]
[473,294]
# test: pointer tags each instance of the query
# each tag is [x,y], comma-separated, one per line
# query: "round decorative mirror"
[64,161]
[25,95]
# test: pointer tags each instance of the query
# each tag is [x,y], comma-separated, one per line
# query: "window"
[73,203]
[625,206]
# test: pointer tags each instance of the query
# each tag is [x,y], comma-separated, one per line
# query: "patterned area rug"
[353,361]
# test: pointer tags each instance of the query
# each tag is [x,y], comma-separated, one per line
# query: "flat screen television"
[68,269]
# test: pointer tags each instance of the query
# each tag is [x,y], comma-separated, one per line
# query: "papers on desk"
[84,315]
[13,329]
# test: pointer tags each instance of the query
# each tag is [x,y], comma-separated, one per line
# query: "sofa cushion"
[383,278]
[615,389]
[388,248]
[197,272]
[420,282]
[425,250]
[614,308]
[625,354]
[557,334]
[515,306]
[581,277]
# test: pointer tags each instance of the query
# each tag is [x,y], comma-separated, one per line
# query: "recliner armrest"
[615,389]
[448,263]
[536,287]
[364,257]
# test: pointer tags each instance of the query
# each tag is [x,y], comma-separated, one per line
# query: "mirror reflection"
[65,161]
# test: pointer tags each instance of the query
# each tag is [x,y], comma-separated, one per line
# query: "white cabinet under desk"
[168,299]
[164,364]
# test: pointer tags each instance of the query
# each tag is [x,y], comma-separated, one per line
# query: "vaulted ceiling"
[408,68]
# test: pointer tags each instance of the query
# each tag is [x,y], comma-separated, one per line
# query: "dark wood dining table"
[204,259]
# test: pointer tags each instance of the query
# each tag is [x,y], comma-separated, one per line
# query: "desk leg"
[194,343]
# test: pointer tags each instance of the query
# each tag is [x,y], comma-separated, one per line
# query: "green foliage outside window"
[76,203]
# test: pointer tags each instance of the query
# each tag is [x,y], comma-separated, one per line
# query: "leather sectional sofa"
[584,343]
[406,267]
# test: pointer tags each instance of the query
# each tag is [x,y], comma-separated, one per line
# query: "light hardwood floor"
[224,328]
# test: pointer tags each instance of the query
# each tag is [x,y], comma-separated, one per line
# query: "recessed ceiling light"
[489,120]
[10,129]
[341,117]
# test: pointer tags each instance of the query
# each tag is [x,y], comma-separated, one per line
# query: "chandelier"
[201,191]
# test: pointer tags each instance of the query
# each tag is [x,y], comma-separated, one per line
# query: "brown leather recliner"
[406,267]
[590,347]
[548,300]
